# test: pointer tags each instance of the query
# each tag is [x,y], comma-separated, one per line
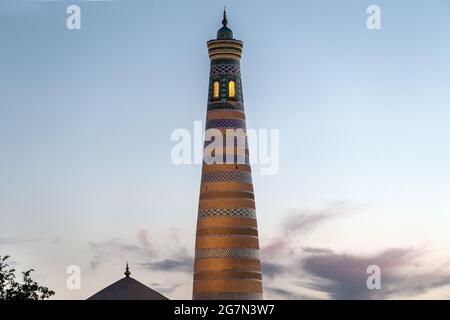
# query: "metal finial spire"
[225,21]
[127,271]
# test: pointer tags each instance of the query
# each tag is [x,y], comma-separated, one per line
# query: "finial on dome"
[127,271]
[225,33]
[225,21]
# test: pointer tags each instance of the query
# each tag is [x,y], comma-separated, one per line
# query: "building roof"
[127,289]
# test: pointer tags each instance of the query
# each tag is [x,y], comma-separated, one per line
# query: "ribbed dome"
[225,33]
[127,289]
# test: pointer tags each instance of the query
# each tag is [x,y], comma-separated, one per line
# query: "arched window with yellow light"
[231,89]
[216,89]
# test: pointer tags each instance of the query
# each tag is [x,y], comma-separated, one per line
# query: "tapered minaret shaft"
[227,263]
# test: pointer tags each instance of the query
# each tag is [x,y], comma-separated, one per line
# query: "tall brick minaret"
[227,263]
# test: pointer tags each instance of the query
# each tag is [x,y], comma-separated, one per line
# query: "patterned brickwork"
[241,176]
[225,123]
[226,167]
[244,253]
[230,212]
[221,69]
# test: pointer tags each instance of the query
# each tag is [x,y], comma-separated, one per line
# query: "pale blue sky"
[86,118]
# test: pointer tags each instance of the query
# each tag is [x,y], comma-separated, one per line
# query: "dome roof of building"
[225,33]
[127,289]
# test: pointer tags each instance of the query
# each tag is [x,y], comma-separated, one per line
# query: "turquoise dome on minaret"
[225,32]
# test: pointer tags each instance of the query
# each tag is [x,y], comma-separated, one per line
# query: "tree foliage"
[29,289]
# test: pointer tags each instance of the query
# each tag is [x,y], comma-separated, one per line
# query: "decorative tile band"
[228,212]
[241,176]
[225,167]
[220,221]
[228,296]
[219,69]
[243,253]
[225,123]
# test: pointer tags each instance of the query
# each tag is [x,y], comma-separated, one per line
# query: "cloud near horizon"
[340,275]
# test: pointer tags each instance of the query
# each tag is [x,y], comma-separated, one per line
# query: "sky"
[86,118]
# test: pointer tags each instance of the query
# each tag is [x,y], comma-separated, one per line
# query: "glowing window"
[231,89]
[216,89]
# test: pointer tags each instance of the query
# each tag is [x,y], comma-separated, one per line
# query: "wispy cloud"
[183,264]
[306,220]
[301,222]
[142,253]
[277,293]
[313,250]
[16,240]
[272,269]
[117,248]
[164,289]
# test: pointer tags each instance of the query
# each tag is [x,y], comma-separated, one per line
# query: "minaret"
[227,263]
